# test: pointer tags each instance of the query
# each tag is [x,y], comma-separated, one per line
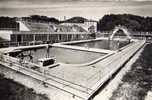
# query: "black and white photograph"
[75,49]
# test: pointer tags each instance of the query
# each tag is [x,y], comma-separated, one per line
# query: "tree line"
[8,23]
[133,22]
[106,23]
[38,18]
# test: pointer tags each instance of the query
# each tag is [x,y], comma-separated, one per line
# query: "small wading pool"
[101,44]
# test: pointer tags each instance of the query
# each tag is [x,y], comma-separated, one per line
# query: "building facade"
[51,37]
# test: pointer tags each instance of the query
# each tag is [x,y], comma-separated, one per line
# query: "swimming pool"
[101,44]
[63,55]
[74,55]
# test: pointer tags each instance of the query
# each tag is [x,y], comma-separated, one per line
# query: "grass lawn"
[138,81]
[10,90]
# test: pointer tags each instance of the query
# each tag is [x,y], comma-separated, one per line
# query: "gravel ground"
[138,81]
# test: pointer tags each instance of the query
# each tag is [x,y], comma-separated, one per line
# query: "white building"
[87,25]
[6,34]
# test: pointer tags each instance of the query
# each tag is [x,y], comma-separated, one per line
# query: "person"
[21,57]
[1,57]
[30,56]
[118,43]
[44,84]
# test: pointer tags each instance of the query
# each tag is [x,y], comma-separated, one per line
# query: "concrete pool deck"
[97,50]
[12,49]
[83,81]
[95,75]
[83,48]
[100,38]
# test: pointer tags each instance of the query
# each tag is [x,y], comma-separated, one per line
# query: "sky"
[91,9]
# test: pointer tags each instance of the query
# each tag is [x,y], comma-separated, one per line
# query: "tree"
[133,22]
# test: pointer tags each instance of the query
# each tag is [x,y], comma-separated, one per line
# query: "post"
[47,53]
[47,37]
[34,38]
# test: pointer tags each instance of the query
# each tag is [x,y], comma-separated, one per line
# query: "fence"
[116,61]
[25,43]
[20,66]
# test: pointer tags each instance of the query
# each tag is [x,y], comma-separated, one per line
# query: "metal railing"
[118,57]
[25,43]
[21,65]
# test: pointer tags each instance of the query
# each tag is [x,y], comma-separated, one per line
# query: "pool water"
[68,56]
[102,44]
[71,56]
